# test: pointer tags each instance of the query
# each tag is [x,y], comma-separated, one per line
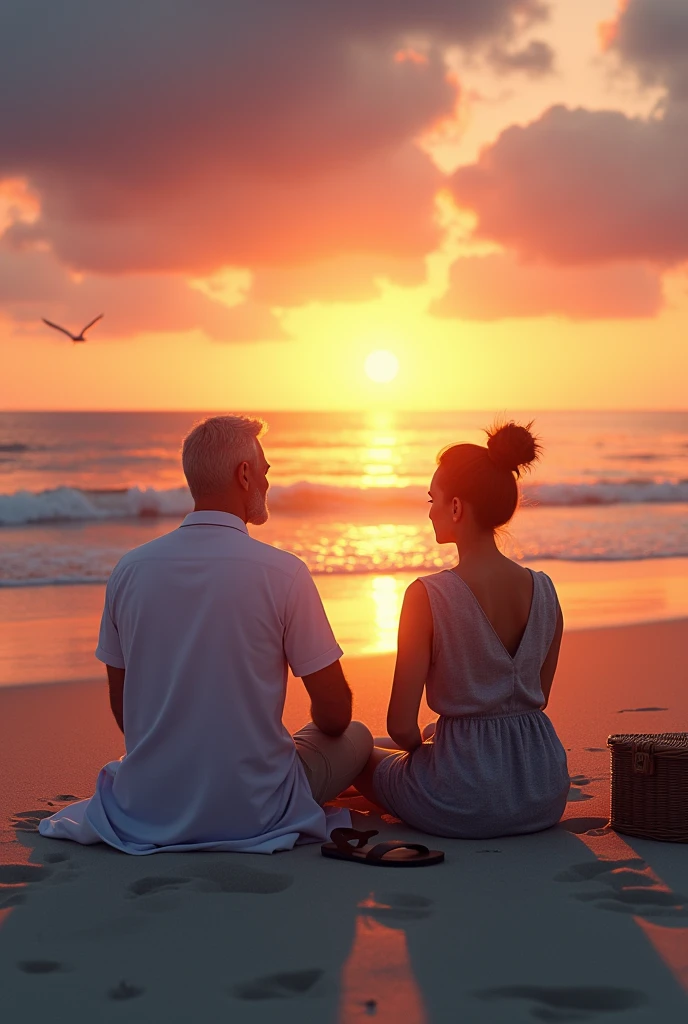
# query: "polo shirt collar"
[215,519]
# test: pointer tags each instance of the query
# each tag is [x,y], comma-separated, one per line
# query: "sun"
[382,366]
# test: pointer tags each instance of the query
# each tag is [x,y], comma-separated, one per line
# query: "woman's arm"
[414,653]
[549,666]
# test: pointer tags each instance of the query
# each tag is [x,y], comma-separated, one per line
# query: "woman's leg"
[385,742]
[364,782]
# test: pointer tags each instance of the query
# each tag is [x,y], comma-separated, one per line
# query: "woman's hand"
[429,731]
[410,742]
[414,653]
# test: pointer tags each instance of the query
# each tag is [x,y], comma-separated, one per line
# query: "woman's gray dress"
[495,766]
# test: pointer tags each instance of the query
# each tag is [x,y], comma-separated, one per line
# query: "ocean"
[348,491]
[605,513]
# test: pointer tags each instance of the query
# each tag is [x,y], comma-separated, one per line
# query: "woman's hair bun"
[512,447]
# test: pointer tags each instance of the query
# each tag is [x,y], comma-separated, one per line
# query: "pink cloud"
[382,205]
[185,136]
[34,285]
[581,186]
[341,279]
[497,286]
[596,186]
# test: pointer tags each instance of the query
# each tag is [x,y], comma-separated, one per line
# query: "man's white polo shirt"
[205,621]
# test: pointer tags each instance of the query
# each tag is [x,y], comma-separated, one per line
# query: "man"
[198,629]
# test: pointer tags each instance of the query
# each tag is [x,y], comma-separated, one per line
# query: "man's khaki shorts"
[332,763]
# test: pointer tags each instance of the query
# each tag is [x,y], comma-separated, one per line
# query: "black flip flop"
[394,854]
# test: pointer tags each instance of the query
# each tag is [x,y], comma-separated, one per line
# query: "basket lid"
[652,742]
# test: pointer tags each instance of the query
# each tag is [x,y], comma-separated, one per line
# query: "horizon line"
[333,412]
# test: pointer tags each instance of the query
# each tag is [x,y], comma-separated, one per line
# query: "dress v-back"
[495,765]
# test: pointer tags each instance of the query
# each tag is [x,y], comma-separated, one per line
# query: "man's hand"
[330,699]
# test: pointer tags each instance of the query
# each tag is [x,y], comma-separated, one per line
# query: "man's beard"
[257,510]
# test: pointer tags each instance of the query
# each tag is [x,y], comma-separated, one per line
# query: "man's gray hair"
[215,448]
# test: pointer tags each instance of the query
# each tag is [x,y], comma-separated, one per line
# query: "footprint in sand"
[41,966]
[576,792]
[17,899]
[591,869]
[280,986]
[20,874]
[580,826]
[396,906]
[14,878]
[154,884]
[575,795]
[27,821]
[56,858]
[627,887]
[212,876]
[125,991]
[551,1003]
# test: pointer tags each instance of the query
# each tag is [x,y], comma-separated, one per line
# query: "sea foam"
[64,504]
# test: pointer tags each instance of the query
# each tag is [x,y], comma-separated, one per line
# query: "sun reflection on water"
[380,460]
[387,593]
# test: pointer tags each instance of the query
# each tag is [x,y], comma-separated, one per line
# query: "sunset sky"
[258,195]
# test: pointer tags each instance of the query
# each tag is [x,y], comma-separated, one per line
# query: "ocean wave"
[69,504]
[363,567]
[606,492]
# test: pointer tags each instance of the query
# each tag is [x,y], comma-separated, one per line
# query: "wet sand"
[561,926]
[49,633]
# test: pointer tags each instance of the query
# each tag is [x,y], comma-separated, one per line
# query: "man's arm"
[330,699]
[116,686]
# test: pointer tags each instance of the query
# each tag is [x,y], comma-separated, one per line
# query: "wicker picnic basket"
[650,785]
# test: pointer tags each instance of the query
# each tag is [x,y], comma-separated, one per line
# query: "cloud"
[341,279]
[596,186]
[34,285]
[17,203]
[651,36]
[178,135]
[535,59]
[383,205]
[497,286]
[582,186]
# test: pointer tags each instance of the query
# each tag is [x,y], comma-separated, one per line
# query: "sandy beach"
[570,924]
[363,609]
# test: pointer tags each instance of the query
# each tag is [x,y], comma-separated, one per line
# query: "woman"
[483,640]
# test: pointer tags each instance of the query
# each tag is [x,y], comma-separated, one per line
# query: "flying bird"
[74,337]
